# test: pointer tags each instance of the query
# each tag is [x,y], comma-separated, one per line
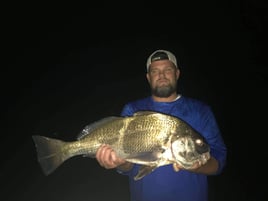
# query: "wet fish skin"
[148,138]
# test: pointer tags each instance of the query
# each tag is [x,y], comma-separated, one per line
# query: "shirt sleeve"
[211,132]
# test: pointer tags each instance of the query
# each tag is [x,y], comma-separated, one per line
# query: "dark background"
[66,65]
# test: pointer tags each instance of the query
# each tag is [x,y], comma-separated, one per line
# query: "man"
[170,182]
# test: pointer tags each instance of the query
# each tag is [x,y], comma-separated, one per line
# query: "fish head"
[188,150]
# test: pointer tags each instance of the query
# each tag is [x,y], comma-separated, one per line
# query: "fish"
[150,139]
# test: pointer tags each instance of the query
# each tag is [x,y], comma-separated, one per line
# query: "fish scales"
[147,133]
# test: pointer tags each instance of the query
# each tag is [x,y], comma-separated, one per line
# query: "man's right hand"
[107,157]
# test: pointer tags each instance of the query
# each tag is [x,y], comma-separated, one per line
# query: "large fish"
[148,138]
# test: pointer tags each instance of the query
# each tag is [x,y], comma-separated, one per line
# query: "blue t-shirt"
[164,184]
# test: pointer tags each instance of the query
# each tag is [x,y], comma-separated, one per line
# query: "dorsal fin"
[91,127]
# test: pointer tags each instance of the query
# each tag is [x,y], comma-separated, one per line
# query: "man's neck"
[171,98]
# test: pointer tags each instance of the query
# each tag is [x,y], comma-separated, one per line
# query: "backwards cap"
[161,55]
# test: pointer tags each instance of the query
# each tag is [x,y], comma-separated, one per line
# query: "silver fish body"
[148,138]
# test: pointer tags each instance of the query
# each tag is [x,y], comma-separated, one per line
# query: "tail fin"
[49,153]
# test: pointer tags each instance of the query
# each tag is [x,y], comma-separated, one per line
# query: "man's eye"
[169,70]
[154,71]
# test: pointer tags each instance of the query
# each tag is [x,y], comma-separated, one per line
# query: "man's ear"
[178,73]
[148,77]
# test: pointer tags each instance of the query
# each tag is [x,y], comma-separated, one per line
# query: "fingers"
[196,165]
[107,157]
[103,156]
[176,167]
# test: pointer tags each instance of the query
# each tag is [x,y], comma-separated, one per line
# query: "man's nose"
[161,73]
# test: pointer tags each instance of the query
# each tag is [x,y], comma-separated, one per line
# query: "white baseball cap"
[161,55]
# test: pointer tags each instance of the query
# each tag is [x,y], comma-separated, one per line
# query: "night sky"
[68,65]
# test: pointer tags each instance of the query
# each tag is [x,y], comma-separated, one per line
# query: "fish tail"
[49,153]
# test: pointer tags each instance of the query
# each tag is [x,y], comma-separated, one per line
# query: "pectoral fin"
[144,157]
[143,171]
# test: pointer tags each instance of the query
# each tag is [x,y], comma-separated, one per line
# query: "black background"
[66,65]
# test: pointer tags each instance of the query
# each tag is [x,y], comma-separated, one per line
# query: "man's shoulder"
[194,102]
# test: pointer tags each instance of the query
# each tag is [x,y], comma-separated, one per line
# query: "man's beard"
[164,91]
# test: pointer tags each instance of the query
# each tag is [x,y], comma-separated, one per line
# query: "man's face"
[162,77]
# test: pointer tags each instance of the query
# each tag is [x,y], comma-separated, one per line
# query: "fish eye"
[199,142]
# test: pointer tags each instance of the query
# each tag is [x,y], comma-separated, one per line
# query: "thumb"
[176,167]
